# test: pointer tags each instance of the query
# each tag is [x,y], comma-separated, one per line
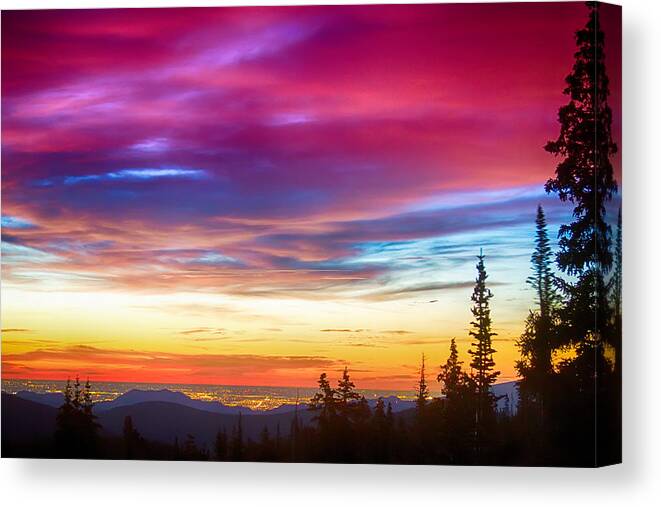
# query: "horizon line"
[219,385]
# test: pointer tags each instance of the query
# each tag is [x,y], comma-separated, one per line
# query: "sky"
[252,196]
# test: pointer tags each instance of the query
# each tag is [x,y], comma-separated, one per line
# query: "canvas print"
[383,234]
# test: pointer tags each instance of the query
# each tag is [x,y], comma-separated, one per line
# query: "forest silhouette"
[570,364]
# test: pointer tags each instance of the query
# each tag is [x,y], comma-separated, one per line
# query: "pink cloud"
[317,129]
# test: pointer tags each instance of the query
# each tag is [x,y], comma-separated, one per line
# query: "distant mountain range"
[135,396]
[25,421]
[506,392]
[165,415]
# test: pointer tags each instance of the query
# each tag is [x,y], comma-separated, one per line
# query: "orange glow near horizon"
[161,349]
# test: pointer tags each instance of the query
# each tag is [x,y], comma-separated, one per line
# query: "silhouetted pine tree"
[543,280]
[87,398]
[325,399]
[348,429]
[324,403]
[220,445]
[68,394]
[537,341]
[76,428]
[359,430]
[584,177]
[482,363]
[453,379]
[132,439]
[421,430]
[294,434]
[88,421]
[236,446]
[422,391]
[458,407]
[191,451]
[380,411]
[346,391]
[266,448]
[482,350]
[389,428]
[65,437]
[379,438]
[76,401]
[390,434]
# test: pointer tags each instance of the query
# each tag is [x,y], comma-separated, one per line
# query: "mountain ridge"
[506,391]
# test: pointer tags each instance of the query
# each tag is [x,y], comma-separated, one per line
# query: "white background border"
[636,482]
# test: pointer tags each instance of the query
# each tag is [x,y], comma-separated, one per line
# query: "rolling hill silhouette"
[163,415]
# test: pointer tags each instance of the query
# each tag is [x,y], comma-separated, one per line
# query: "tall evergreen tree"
[325,399]
[454,380]
[325,404]
[536,342]
[346,389]
[422,391]
[88,420]
[482,351]
[65,432]
[380,433]
[379,411]
[76,401]
[390,418]
[68,396]
[458,409]
[542,280]
[76,427]
[584,176]
[483,373]
[294,432]
[87,398]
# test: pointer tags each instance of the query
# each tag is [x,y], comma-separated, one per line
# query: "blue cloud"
[141,174]
[216,259]
[15,222]
[197,257]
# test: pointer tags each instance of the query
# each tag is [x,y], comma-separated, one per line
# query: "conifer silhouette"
[482,351]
